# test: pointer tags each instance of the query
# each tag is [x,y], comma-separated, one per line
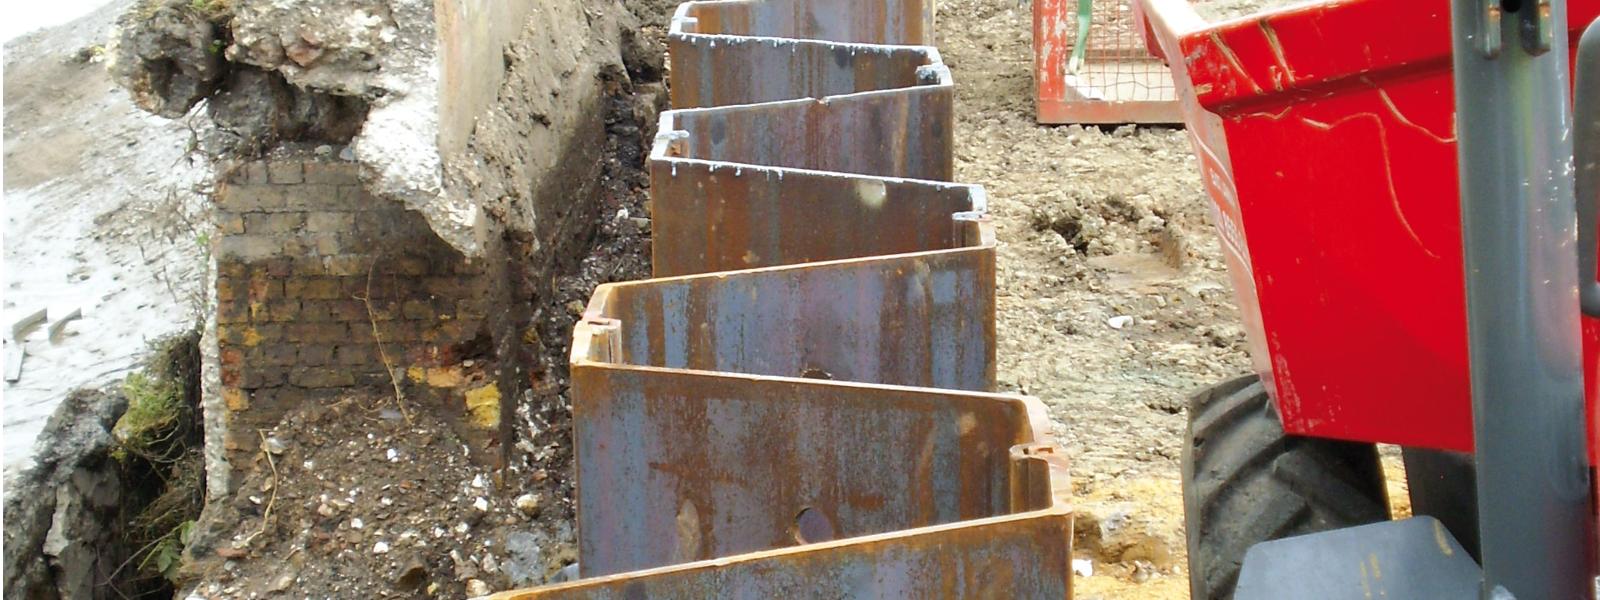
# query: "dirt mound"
[357,498]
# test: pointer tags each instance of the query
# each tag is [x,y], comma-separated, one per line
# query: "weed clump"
[159,444]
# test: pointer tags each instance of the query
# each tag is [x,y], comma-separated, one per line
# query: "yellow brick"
[416,374]
[235,398]
[483,406]
[445,377]
[251,337]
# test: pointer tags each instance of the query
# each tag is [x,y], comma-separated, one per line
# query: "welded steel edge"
[878,117]
[1026,554]
[719,216]
[921,319]
[905,132]
[886,22]
[717,69]
[693,465]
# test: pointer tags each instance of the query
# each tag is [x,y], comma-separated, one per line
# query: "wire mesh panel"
[1091,65]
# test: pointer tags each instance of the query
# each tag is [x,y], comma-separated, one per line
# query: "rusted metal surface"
[923,319]
[689,466]
[722,218]
[1024,554]
[908,133]
[800,404]
[808,179]
[712,68]
[886,22]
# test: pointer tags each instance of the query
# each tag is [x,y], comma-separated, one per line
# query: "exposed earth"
[1114,307]
[1114,300]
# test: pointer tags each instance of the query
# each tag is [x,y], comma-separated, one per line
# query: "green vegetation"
[154,406]
[159,444]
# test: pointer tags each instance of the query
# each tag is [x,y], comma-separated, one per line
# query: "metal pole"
[1518,226]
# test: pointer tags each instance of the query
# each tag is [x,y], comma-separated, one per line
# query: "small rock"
[323,150]
[325,510]
[464,568]
[463,528]
[389,414]
[575,307]
[524,564]
[481,504]
[1119,321]
[347,154]
[357,524]
[1082,567]
[394,455]
[230,552]
[380,548]
[476,587]
[276,446]
[567,573]
[282,582]
[528,504]
[1142,571]
[489,564]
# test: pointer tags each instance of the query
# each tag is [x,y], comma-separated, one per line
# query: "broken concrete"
[488,119]
[63,515]
[470,112]
[168,56]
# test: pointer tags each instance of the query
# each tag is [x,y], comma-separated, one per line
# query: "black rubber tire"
[1245,481]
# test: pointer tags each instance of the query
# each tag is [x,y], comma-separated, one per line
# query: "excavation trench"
[380,400]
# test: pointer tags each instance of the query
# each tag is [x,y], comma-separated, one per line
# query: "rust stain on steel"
[749,454]
[921,319]
[712,65]
[885,22]
[800,403]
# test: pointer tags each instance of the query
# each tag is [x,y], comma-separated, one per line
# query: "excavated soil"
[372,501]
[1114,304]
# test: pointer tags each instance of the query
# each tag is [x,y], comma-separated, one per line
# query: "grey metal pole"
[1518,226]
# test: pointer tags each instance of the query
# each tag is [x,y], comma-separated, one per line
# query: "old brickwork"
[312,274]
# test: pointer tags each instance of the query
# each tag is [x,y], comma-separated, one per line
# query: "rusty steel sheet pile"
[801,403]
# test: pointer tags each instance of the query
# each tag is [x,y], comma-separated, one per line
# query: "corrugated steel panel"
[800,404]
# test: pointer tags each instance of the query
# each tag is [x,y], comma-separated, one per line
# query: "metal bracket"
[1489,36]
[1533,20]
[1586,164]
[1538,29]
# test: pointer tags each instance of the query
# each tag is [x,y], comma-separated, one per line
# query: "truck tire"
[1245,481]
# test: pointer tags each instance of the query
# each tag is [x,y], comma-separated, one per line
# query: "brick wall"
[312,273]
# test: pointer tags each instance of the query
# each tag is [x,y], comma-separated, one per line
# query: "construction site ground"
[1114,303]
[1114,307]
